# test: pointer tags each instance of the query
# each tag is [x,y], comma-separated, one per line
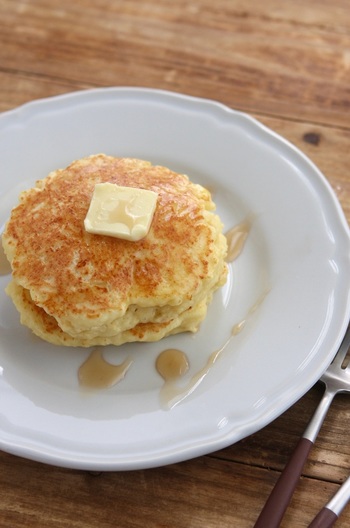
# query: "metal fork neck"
[316,421]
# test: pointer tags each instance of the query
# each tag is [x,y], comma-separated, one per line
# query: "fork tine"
[343,349]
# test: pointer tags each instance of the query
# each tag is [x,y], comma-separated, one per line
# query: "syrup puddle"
[172,364]
[97,373]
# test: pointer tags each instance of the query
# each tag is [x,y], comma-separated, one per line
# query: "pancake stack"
[75,288]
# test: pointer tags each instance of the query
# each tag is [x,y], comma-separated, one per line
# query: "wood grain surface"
[286,63]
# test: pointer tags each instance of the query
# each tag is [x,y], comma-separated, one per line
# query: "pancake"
[75,288]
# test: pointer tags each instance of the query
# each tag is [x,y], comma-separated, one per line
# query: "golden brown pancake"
[80,289]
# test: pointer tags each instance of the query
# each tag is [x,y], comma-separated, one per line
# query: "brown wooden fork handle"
[277,503]
[324,519]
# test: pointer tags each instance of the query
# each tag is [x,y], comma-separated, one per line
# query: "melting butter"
[121,212]
[97,373]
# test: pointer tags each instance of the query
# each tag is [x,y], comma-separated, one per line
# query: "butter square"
[121,212]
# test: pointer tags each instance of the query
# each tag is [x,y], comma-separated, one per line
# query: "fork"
[330,513]
[336,379]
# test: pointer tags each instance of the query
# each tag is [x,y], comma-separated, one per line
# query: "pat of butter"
[121,212]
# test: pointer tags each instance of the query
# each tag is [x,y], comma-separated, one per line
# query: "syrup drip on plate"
[172,364]
[97,373]
[236,238]
[5,267]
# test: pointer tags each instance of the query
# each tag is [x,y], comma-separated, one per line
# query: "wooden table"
[288,64]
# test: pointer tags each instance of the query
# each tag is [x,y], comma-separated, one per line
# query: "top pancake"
[97,285]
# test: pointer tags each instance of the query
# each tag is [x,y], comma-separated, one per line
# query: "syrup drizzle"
[236,238]
[171,393]
[97,373]
[5,267]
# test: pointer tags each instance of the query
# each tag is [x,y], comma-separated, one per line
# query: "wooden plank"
[17,89]
[201,492]
[275,66]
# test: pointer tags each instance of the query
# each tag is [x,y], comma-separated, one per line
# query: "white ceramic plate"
[298,249]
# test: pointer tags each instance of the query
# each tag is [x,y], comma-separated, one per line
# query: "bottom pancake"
[45,326]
